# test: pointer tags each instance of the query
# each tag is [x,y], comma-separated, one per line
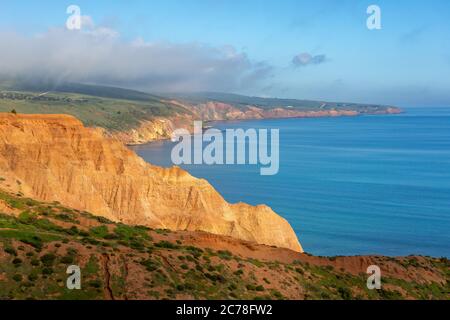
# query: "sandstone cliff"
[55,158]
[162,128]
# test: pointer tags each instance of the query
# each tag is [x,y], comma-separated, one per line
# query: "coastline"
[161,129]
[257,268]
[341,179]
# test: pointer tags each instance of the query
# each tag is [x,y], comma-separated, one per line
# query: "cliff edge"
[56,158]
[162,128]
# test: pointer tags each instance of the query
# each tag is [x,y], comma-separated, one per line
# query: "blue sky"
[406,63]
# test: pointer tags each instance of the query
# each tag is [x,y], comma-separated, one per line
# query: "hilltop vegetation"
[118,109]
[109,113]
[38,241]
[269,103]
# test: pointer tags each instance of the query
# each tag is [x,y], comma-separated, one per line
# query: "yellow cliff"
[56,158]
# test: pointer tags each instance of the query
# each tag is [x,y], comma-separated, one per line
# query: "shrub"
[125,232]
[277,294]
[390,295]
[72,251]
[91,241]
[34,241]
[299,270]
[345,293]
[252,287]
[196,252]
[17,277]
[256,262]
[215,277]
[239,272]
[189,286]
[83,233]
[72,231]
[47,271]
[137,244]
[184,266]
[26,217]
[199,267]
[34,262]
[100,231]
[11,251]
[103,220]
[232,287]
[48,259]
[95,283]
[67,217]
[32,277]
[150,265]
[31,203]
[17,261]
[111,236]
[180,287]
[67,259]
[166,244]
[211,268]
[225,254]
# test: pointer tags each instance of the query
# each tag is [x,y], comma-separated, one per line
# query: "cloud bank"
[306,59]
[97,54]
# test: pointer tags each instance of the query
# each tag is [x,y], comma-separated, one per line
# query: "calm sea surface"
[349,186]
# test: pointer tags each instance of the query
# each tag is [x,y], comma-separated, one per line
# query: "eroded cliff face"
[162,128]
[55,158]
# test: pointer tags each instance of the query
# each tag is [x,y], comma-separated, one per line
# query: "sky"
[318,50]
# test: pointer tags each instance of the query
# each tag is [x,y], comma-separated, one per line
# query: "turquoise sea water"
[349,186]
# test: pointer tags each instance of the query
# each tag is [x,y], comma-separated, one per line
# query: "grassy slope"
[122,109]
[110,108]
[129,262]
[269,103]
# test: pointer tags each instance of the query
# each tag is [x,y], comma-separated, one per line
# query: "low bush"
[166,245]
[17,277]
[11,251]
[95,284]
[150,265]
[47,271]
[48,259]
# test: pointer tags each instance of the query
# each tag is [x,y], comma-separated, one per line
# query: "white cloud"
[305,59]
[97,54]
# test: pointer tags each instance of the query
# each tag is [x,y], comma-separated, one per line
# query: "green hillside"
[269,103]
[110,108]
[118,261]
[83,89]
[121,109]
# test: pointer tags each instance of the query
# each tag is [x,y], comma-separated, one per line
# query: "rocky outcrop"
[55,158]
[149,130]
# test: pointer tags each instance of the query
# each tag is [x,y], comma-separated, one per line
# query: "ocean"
[348,185]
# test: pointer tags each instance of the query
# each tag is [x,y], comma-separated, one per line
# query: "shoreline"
[150,128]
[162,147]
